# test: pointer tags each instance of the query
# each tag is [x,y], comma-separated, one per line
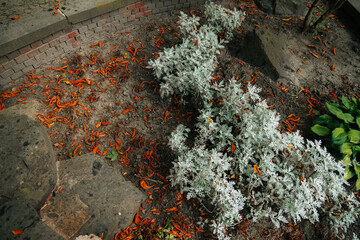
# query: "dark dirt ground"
[106,100]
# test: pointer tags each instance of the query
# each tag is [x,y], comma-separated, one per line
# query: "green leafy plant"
[343,130]
[112,156]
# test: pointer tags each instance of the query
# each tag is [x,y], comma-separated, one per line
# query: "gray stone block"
[112,201]
[28,164]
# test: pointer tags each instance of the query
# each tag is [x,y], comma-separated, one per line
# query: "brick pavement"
[42,53]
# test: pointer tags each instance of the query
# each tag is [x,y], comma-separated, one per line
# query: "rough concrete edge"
[38,34]
[98,10]
[43,32]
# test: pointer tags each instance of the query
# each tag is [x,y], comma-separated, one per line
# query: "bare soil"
[104,99]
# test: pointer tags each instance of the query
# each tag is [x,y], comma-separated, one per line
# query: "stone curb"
[35,27]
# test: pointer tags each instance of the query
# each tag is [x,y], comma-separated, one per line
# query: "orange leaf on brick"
[144,185]
[17,232]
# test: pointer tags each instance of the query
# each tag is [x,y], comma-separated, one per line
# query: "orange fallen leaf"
[173,209]
[178,203]
[198,229]
[178,195]
[15,17]
[137,219]
[17,232]
[334,51]
[173,232]
[144,185]
[96,44]
[333,68]
[287,19]
[21,100]
[125,111]
[257,170]
[314,55]
[98,125]
[233,148]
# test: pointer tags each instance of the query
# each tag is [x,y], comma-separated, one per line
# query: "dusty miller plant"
[239,159]
[188,67]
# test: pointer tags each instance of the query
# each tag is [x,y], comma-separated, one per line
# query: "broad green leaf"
[323,119]
[358,121]
[333,108]
[354,136]
[357,168]
[345,148]
[333,124]
[356,149]
[316,112]
[339,136]
[348,104]
[357,184]
[348,118]
[320,130]
[355,101]
[348,173]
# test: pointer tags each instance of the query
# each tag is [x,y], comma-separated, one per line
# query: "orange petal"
[233,148]
[257,170]
[17,232]
[137,219]
[198,229]
[173,209]
[125,111]
[144,185]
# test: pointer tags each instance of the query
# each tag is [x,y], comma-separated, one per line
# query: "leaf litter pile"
[104,100]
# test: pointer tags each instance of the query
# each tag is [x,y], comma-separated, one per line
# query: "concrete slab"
[101,192]
[29,29]
[80,10]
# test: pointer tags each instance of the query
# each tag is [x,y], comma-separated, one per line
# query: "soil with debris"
[104,100]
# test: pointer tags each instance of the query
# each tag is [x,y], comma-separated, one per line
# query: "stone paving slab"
[80,10]
[29,29]
[27,161]
[92,198]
